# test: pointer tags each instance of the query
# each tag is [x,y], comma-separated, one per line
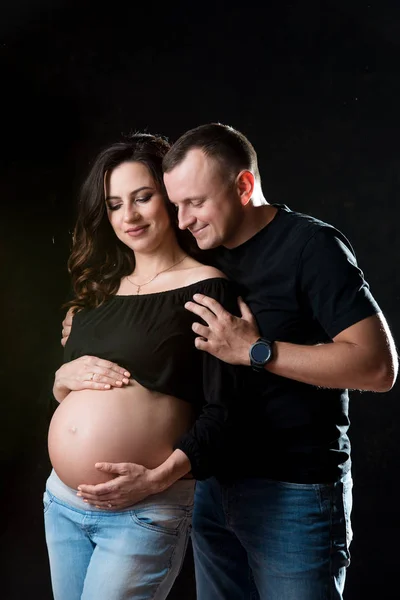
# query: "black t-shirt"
[300,278]
[151,336]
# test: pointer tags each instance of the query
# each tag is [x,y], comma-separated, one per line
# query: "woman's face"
[135,207]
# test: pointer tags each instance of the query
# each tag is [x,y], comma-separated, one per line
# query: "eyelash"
[139,200]
[144,199]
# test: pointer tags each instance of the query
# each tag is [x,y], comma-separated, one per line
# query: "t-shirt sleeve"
[333,283]
[205,443]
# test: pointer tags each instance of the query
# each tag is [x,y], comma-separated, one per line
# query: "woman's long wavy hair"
[98,259]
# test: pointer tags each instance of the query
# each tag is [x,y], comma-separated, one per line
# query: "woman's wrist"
[60,392]
[175,467]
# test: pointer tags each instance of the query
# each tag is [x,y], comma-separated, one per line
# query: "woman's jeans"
[272,540]
[131,554]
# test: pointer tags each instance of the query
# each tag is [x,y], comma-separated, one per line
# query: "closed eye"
[144,199]
[141,200]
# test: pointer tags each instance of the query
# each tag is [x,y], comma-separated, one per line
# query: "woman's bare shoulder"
[199,272]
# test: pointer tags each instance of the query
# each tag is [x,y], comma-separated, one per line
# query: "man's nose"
[185,218]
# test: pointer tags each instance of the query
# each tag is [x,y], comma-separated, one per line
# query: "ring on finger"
[91,376]
[109,504]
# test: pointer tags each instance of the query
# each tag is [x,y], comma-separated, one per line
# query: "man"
[275,521]
[279,518]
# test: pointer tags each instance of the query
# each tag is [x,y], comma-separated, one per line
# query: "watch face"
[261,352]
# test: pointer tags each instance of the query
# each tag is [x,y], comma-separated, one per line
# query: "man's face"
[208,205]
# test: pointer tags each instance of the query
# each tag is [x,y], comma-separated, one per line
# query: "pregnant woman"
[133,388]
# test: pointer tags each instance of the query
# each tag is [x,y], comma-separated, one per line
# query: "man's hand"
[66,327]
[227,337]
[131,484]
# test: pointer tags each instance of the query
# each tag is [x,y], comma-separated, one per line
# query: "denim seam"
[170,564]
[48,503]
[90,510]
[160,529]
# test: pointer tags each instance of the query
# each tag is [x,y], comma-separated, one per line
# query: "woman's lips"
[136,231]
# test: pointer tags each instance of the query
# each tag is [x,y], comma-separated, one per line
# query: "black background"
[316,88]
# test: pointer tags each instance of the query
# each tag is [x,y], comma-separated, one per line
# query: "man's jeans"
[271,540]
[134,553]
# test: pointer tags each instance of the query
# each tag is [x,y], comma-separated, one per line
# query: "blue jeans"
[271,540]
[129,554]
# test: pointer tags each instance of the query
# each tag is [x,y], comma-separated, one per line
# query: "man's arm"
[362,353]
[361,357]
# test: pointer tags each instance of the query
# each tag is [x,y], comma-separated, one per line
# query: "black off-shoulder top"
[150,335]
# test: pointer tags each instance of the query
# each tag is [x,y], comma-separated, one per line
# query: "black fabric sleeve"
[205,443]
[333,283]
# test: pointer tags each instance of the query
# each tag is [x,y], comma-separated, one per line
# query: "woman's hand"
[131,484]
[88,373]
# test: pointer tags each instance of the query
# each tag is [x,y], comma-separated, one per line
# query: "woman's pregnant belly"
[118,425]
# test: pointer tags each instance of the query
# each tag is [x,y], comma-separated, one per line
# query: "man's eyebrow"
[144,187]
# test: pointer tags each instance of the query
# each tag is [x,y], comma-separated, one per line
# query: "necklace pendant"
[156,275]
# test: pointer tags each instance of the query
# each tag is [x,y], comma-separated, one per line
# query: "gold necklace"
[139,286]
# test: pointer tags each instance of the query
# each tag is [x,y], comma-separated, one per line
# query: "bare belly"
[118,425]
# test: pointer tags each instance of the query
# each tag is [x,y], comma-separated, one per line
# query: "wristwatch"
[260,354]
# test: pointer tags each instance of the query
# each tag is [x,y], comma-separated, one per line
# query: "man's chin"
[207,244]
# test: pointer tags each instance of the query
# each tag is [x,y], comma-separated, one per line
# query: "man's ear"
[245,184]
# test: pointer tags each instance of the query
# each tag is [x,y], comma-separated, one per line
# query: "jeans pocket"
[47,501]
[163,519]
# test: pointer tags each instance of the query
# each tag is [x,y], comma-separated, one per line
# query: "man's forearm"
[333,365]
